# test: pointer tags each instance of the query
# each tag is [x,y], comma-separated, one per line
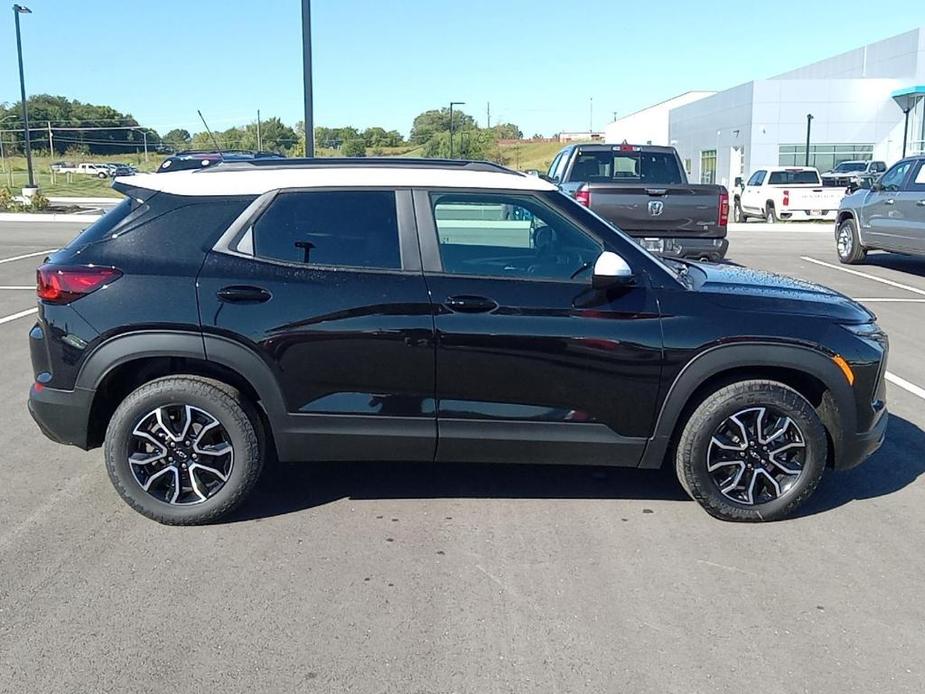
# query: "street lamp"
[18,10]
[452,104]
[809,129]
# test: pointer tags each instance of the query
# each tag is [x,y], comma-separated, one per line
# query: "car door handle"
[470,304]
[920,203]
[243,294]
[891,201]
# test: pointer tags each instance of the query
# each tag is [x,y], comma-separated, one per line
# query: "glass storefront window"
[824,157]
[708,166]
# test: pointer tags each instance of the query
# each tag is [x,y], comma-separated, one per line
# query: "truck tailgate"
[659,210]
[815,198]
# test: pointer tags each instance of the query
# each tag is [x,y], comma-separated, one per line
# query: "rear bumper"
[857,448]
[62,415]
[695,248]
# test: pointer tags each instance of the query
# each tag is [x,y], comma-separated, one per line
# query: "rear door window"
[330,228]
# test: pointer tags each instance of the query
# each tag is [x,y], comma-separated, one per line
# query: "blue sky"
[380,63]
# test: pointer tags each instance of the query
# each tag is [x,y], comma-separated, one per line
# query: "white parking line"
[21,314]
[916,290]
[905,385]
[27,255]
[18,287]
[870,300]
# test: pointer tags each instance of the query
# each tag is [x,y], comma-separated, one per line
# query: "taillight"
[786,198]
[723,209]
[583,196]
[60,284]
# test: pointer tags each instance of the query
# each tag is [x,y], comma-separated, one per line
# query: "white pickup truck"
[88,169]
[786,193]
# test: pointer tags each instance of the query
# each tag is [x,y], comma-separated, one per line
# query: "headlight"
[870,330]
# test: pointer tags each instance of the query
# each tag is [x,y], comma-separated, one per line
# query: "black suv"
[432,311]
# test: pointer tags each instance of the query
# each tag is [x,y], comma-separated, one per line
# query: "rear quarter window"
[173,228]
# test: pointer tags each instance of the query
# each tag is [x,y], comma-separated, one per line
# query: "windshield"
[789,178]
[601,166]
[847,166]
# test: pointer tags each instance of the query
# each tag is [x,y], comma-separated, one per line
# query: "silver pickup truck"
[888,217]
[643,190]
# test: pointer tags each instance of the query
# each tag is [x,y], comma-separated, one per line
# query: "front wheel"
[848,244]
[752,451]
[101,175]
[738,215]
[183,450]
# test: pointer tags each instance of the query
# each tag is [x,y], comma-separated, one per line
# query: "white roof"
[260,180]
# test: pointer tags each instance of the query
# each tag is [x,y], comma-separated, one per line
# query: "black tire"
[101,175]
[694,446]
[770,214]
[738,215]
[848,243]
[238,421]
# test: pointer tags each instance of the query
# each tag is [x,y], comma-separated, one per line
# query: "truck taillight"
[59,284]
[583,196]
[786,200]
[723,209]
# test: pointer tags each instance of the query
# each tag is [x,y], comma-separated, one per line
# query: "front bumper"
[858,447]
[62,415]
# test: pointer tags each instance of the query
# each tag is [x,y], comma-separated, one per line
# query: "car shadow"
[292,487]
[898,463]
[910,264]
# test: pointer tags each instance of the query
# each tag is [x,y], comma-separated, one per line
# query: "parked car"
[432,311]
[853,174]
[119,169]
[644,191]
[201,159]
[84,168]
[890,216]
[776,193]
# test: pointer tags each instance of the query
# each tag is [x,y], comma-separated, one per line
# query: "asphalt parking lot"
[411,578]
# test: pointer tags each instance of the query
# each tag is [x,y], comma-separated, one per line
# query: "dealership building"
[863,103]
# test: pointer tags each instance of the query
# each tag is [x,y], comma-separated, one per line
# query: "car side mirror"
[550,179]
[611,270]
[876,187]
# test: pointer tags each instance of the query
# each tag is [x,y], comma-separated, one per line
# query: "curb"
[40,217]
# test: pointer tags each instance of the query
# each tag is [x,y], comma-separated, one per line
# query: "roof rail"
[362,162]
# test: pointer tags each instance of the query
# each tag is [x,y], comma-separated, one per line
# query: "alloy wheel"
[756,455]
[180,454]
[845,241]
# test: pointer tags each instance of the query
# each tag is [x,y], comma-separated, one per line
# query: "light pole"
[18,10]
[307,77]
[809,128]
[452,104]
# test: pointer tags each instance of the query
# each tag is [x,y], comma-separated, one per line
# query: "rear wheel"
[848,244]
[183,450]
[770,214]
[752,451]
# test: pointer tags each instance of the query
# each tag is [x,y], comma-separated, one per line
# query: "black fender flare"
[722,358]
[233,355]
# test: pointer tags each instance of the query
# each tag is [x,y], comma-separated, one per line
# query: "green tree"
[119,132]
[507,131]
[438,121]
[178,137]
[353,148]
[474,143]
[380,137]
